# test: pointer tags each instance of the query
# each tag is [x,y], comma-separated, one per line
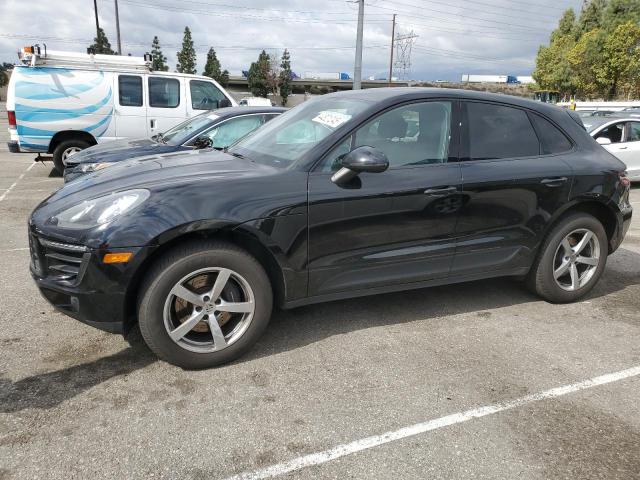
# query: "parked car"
[335,198]
[256,102]
[217,129]
[63,102]
[619,135]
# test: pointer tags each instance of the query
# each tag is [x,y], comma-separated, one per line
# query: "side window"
[633,131]
[415,134]
[552,139]
[130,90]
[233,130]
[204,95]
[270,116]
[164,92]
[612,132]
[497,132]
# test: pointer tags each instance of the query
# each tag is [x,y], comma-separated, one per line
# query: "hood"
[158,171]
[117,150]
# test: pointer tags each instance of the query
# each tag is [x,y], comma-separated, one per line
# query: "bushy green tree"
[621,67]
[621,11]
[224,78]
[591,15]
[285,77]
[259,76]
[212,67]
[585,59]
[101,44]
[186,56]
[159,61]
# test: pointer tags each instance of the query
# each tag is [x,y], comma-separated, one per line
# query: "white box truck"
[62,102]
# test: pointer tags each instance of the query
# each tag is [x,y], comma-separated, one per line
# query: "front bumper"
[75,281]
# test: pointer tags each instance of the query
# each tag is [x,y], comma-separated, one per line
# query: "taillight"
[12,118]
[624,180]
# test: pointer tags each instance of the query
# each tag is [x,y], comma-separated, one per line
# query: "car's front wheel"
[204,304]
[571,260]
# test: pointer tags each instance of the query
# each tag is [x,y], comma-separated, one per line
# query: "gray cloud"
[454,36]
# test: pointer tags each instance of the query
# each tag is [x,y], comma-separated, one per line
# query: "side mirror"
[603,140]
[224,103]
[358,160]
[202,142]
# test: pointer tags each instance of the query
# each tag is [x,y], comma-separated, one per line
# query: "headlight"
[92,167]
[100,211]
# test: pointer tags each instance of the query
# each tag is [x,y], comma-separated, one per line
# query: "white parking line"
[377,440]
[14,249]
[3,196]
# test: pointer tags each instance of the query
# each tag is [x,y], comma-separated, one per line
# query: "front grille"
[62,262]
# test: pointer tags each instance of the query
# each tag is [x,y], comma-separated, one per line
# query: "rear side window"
[633,134]
[551,139]
[495,131]
[204,95]
[164,92]
[130,90]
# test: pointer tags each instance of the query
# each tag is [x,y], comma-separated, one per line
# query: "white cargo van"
[61,102]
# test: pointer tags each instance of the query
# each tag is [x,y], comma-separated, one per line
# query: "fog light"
[122,257]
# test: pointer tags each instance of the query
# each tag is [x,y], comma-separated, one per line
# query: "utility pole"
[357,70]
[118,29]
[393,36]
[95,8]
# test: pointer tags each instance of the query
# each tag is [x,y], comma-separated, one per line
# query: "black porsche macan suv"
[349,194]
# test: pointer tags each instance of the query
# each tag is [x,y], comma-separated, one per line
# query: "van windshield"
[284,140]
[185,130]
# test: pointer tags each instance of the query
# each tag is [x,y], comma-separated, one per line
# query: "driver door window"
[233,130]
[612,132]
[204,95]
[411,135]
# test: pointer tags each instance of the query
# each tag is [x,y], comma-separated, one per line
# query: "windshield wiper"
[159,138]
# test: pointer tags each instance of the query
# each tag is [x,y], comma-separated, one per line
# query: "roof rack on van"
[35,55]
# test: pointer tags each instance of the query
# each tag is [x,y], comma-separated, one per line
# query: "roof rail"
[36,56]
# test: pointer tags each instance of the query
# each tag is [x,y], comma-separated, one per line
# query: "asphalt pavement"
[475,380]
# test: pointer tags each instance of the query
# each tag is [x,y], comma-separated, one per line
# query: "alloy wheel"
[576,259]
[209,310]
[68,152]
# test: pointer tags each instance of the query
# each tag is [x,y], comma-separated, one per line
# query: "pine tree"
[212,67]
[258,78]
[159,63]
[101,44]
[224,78]
[186,56]
[285,77]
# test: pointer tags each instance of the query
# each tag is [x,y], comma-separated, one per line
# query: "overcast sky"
[454,36]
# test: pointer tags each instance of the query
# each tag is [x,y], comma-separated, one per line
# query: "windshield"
[185,130]
[282,141]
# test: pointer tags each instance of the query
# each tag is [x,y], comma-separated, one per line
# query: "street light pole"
[393,36]
[357,70]
[95,9]
[118,29]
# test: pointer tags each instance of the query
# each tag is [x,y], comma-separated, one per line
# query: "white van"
[62,102]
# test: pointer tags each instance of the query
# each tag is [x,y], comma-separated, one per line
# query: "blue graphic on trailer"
[50,100]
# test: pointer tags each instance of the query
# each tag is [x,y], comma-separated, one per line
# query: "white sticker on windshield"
[331,119]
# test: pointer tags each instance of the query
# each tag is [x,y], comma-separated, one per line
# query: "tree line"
[594,55]
[267,75]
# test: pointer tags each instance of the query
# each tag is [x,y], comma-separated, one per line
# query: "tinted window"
[552,139]
[204,95]
[130,90]
[416,134]
[232,130]
[612,132]
[499,132]
[164,92]
[634,132]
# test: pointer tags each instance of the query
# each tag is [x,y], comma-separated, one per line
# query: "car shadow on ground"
[48,390]
[292,329]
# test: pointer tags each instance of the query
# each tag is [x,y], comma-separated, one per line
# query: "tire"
[551,275]
[62,148]
[198,267]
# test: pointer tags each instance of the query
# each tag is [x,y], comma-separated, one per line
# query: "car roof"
[229,112]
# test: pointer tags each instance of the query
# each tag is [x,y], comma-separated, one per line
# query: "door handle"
[440,192]
[152,123]
[554,182]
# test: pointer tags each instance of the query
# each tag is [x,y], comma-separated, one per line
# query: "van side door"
[130,106]
[167,103]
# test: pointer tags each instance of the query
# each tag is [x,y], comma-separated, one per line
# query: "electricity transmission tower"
[402,63]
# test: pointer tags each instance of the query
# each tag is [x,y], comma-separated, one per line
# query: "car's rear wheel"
[204,304]
[571,260]
[64,150]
